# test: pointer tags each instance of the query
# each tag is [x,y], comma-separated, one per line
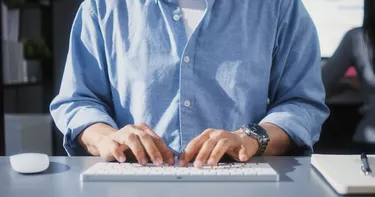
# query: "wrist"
[259,134]
[251,145]
[281,142]
[254,144]
[92,136]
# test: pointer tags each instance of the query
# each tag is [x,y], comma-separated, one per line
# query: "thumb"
[242,155]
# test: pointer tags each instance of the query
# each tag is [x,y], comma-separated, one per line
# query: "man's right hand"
[139,139]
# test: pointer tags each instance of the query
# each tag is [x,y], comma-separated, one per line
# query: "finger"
[136,147]
[205,152]
[150,147]
[117,152]
[130,139]
[218,152]
[144,127]
[192,149]
[165,152]
[242,155]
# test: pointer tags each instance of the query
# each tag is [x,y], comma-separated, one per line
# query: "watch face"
[253,127]
[256,135]
[259,133]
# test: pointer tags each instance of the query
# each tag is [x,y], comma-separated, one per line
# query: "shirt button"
[176,17]
[187,103]
[186,59]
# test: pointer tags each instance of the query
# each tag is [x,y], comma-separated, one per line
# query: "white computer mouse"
[29,162]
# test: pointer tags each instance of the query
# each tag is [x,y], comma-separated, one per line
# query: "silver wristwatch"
[258,133]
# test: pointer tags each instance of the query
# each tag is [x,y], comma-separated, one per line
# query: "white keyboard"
[223,172]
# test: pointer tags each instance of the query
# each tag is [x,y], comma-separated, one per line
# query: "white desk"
[62,179]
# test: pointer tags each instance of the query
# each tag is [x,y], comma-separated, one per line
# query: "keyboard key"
[251,165]
[250,173]
[142,173]
[157,169]
[169,173]
[236,173]
[263,165]
[154,173]
[223,173]
[194,173]
[182,173]
[209,173]
[102,173]
[265,171]
[127,173]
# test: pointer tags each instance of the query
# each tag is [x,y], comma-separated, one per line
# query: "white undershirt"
[192,13]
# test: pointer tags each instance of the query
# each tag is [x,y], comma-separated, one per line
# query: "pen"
[365,164]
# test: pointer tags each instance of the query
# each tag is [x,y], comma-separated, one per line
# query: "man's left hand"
[209,147]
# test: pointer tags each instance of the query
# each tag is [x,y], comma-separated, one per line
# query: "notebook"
[344,174]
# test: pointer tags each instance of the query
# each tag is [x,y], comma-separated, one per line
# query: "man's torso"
[218,78]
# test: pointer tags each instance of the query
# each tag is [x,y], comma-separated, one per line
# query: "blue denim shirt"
[246,62]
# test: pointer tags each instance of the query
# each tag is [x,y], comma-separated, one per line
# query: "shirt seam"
[281,17]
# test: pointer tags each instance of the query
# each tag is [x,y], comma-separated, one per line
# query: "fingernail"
[122,159]
[243,158]
[171,161]
[181,163]
[143,162]
[198,164]
[211,162]
[158,161]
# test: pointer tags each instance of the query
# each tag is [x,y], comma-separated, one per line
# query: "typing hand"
[209,147]
[140,140]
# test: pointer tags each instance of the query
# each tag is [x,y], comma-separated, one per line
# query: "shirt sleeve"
[84,97]
[296,90]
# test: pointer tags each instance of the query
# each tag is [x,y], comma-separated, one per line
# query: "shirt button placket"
[187,103]
[187,59]
[176,17]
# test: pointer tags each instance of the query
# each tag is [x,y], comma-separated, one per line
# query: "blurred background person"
[357,48]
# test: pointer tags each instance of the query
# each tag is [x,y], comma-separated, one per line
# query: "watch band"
[258,133]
